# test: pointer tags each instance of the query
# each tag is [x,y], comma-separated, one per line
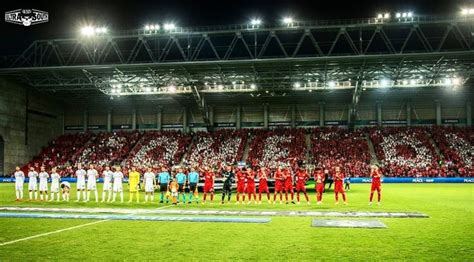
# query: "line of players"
[176,187]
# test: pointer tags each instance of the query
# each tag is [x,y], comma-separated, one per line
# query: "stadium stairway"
[308,147]
[374,159]
[435,146]
[245,155]
[139,142]
[188,150]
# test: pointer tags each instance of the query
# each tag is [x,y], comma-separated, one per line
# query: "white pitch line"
[52,232]
[64,229]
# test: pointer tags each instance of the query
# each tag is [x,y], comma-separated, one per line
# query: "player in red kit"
[376,175]
[208,184]
[319,178]
[288,184]
[241,177]
[301,178]
[251,185]
[263,184]
[279,181]
[338,188]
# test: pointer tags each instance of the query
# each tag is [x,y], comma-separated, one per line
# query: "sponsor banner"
[119,127]
[335,123]
[232,124]
[348,223]
[172,126]
[73,127]
[282,123]
[415,180]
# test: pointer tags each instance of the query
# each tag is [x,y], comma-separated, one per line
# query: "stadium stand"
[405,151]
[221,146]
[155,148]
[271,147]
[337,146]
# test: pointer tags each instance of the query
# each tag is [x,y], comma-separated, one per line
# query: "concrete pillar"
[238,117]
[379,113]
[265,115]
[159,118]
[134,119]
[438,112]
[468,114]
[408,109]
[293,116]
[321,114]
[85,120]
[185,120]
[211,115]
[109,120]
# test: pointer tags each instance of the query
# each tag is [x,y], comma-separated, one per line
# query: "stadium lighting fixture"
[409,14]
[380,16]
[171,88]
[91,31]
[386,16]
[467,11]
[384,83]
[456,81]
[255,22]
[220,86]
[404,14]
[448,81]
[297,85]
[288,20]
[169,26]
[147,27]
[331,84]
[148,89]
[405,82]
[398,15]
[253,86]
[413,82]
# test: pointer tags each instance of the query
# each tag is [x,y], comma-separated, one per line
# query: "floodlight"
[380,16]
[464,11]
[398,15]
[413,82]
[253,86]
[331,84]
[384,83]
[456,81]
[288,20]
[172,88]
[405,82]
[404,15]
[255,21]
[169,26]
[87,31]
[220,86]
[297,85]
[147,27]
[386,15]
[148,89]
[409,14]
[447,81]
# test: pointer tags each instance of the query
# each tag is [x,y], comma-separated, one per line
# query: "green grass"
[446,235]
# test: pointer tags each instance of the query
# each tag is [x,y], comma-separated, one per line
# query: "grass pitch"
[446,235]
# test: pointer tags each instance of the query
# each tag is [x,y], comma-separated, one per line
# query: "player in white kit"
[107,189]
[33,183]
[150,182]
[55,178]
[65,188]
[117,187]
[81,182]
[43,184]
[92,175]
[19,181]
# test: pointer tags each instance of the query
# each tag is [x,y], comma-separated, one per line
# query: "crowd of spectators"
[334,146]
[212,149]
[159,148]
[270,148]
[405,151]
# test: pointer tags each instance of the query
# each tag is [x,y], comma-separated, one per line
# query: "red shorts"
[278,186]
[376,187]
[250,188]
[262,187]
[320,188]
[208,188]
[338,188]
[288,187]
[240,188]
[300,187]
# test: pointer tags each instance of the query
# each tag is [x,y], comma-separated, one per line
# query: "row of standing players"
[174,188]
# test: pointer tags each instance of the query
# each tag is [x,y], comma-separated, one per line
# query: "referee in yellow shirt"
[133,181]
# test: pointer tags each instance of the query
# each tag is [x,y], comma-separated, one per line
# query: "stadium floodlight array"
[467,11]
[322,85]
[89,31]
[407,16]
[128,90]
[156,28]
[413,82]
[288,21]
[235,86]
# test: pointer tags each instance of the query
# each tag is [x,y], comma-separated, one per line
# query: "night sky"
[67,16]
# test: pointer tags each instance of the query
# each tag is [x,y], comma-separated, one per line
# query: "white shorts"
[107,186]
[32,186]
[91,185]
[43,187]
[54,187]
[118,187]
[81,184]
[18,186]
[149,188]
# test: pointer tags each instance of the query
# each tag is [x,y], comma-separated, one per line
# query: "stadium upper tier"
[401,151]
